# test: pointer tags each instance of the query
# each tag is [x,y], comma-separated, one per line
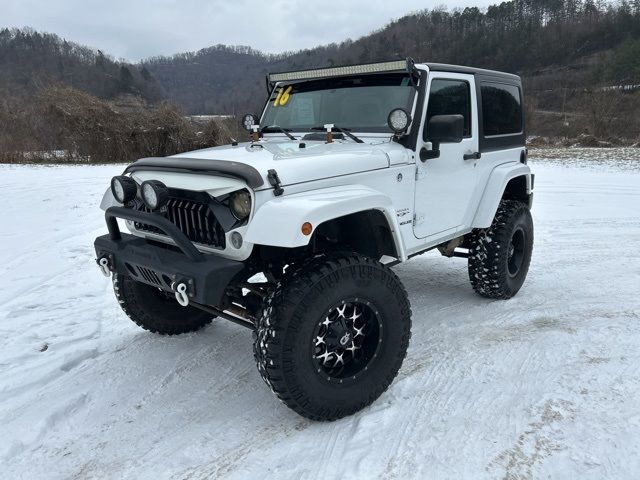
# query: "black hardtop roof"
[443,67]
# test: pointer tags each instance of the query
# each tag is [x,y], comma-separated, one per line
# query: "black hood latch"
[274,180]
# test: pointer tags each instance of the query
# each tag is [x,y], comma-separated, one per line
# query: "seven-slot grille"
[194,218]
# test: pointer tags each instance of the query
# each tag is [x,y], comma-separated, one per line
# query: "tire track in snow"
[536,443]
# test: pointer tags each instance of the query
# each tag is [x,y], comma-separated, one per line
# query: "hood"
[318,160]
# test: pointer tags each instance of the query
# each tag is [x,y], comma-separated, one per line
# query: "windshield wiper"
[278,129]
[342,130]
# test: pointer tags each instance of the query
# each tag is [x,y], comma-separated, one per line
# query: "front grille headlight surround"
[240,204]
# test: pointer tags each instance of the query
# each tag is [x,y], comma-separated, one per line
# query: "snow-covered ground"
[546,385]
[624,158]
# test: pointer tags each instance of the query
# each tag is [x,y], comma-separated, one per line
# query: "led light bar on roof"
[339,71]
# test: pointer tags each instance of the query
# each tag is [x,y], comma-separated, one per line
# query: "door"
[445,186]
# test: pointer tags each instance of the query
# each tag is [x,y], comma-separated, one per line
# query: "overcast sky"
[136,29]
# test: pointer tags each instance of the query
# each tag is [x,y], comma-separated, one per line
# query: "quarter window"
[450,97]
[501,109]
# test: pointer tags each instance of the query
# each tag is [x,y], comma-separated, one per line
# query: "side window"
[450,97]
[501,109]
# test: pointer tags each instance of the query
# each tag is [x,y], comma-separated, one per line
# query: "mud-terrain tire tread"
[487,263]
[282,312]
[171,320]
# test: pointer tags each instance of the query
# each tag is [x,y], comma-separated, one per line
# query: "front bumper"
[206,276]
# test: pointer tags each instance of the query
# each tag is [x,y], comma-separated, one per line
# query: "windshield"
[359,103]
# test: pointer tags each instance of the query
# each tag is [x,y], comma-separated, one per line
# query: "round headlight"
[398,120]
[124,189]
[155,194]
[249,120]
[240,204]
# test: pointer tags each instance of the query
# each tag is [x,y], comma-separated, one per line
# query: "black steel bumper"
[206,276]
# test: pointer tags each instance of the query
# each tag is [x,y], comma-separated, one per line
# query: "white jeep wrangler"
[349,171]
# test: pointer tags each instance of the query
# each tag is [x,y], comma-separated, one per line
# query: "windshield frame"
[416,85]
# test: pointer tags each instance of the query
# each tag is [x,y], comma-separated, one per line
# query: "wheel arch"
[366,232]
[508,181]
[278,222]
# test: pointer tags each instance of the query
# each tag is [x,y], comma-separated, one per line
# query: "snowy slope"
[546,385]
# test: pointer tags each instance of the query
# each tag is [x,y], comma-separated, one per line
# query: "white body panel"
[445,189]
[214,186]
[278,222]
[298,165]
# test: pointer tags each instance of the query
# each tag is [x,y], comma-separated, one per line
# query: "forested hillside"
[560,47]
[60,101]
[30,61]
[579,59]
[216,80]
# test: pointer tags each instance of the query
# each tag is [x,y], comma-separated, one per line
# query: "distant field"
[620,158]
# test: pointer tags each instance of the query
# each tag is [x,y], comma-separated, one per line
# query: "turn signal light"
[307,228]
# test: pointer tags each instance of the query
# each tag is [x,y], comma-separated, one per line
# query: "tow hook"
[103,263]
[180,290]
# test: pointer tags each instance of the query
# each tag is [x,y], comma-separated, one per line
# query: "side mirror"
[445,129]
[442,129]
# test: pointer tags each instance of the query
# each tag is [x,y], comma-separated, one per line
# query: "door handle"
[472,156]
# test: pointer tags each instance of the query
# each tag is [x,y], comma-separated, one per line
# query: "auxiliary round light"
[398,120]
[240,204]
[249,120]
[124,189]
[155,194]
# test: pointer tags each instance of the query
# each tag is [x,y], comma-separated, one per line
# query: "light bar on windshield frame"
[396,65]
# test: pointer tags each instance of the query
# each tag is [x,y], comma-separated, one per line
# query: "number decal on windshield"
[283,96]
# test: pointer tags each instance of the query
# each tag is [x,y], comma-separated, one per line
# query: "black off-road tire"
[156,311]
[283,341]
[494,271]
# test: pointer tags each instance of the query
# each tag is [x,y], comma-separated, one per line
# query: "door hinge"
[417,219]
[420,173]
